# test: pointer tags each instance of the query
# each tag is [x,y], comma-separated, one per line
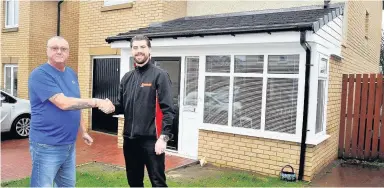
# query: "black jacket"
[137,101]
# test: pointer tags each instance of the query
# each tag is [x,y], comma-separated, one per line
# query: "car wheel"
[20,126]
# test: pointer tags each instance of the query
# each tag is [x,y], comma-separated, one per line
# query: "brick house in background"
[227,81]
[26,27]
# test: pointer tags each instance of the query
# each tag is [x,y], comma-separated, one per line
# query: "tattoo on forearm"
[79,106]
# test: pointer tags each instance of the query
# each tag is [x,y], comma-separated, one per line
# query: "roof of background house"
[298,18]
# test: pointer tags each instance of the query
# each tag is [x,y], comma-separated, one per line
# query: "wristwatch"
[164,137]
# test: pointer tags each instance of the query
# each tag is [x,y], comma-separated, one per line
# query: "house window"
[321,95]
[10,79]
[116,2]
[283,64]
[216,94]
[282,94]
[320,111]
[235,92]
[281,107]
[191,81]
[247,91]
[11,13]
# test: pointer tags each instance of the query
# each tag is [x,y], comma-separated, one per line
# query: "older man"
[55,104]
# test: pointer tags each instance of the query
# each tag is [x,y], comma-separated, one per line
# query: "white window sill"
[106,8]
[11,26]
[317,140]
[265,134]
[10,29]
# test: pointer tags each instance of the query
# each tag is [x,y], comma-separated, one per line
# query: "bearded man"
[138,92]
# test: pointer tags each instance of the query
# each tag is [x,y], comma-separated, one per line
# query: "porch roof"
[237,23]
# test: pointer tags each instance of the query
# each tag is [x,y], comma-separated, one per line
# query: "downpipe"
[58,16]
[303,147]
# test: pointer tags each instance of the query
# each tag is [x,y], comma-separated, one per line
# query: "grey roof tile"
[234,24]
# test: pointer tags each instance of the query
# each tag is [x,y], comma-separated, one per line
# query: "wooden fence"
[361,117]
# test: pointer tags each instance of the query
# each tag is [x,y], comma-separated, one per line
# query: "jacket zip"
[133,104]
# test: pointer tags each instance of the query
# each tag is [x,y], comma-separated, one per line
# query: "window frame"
[265,75]
[12,66]
[324,77]
[14,5]
[186,76]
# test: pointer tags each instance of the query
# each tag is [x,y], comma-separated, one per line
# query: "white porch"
[260,55]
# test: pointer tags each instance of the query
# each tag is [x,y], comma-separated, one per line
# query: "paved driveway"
[16,160]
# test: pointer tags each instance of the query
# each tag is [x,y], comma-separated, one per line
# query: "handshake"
[105,105]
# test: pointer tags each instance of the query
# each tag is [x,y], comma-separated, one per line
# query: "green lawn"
[226,179]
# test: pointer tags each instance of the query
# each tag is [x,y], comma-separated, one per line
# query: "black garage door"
[106,80]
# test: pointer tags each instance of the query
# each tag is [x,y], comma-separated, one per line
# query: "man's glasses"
[56,49]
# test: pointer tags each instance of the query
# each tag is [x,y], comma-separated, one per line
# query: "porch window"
[320,111]
[321,95]
[216,92]
[237,86]
[191,81]
[247,91]
[11,13]
[281,105]
[10,79]
[281,108]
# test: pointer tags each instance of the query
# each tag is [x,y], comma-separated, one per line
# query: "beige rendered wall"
[198,8]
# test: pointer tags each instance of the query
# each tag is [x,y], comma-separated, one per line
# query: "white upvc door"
[190,105]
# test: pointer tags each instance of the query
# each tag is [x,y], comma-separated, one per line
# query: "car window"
[6,98]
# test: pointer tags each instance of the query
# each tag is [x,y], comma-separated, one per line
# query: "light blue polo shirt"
[49,124]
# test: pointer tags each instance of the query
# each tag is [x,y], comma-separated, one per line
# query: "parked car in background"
[15,115]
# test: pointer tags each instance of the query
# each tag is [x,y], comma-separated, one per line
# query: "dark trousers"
[139,153]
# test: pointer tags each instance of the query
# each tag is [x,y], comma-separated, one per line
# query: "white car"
[15,115]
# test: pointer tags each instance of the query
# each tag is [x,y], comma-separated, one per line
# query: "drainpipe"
[307,49]
[58,17]
[326,4]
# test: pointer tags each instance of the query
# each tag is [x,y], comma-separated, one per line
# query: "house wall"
[264,156]
[27,46]
[1,47]
[324,153]
[43,20]
[97,22]
[69,29]
[360,52]
[360,55]
[15,45]
[198,8]
[43,26]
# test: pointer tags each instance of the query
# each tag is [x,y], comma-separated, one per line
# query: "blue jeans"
[53,165]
